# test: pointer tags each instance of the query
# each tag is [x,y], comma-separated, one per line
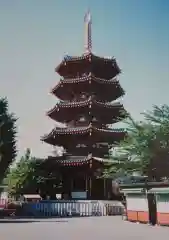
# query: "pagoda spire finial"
[88,32]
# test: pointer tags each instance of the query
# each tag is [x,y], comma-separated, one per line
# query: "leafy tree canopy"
[22,174]
[7,138]
[29,176]
[146,148]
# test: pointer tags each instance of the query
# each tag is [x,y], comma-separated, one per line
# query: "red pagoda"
[87,89]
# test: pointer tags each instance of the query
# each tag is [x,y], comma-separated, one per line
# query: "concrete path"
[92,228]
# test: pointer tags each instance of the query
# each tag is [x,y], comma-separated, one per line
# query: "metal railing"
[71,208]
[64,208]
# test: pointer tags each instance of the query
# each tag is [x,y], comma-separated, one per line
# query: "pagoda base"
[81,177]
[84,188]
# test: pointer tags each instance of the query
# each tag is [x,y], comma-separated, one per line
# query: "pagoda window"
[84,74]
[82,119]
[94,96]
[71,123]
[83,95]
[81,146]
[72,97]
[94,119]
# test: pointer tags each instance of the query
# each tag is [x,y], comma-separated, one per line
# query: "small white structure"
[30,198]
[162,204]
[147,202]
[137,205]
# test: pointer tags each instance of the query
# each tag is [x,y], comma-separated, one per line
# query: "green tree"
[8,150]
[23,175]
[146,148]
[30,176]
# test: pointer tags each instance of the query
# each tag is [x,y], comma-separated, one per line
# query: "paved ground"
[92,228]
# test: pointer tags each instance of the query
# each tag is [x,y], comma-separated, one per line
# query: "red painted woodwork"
[163,218]
[138,216]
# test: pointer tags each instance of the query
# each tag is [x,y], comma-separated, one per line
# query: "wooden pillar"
[66,184]
[105,188]
[90,187]
[86,183]
[87,186]
[71,187]
[90,180]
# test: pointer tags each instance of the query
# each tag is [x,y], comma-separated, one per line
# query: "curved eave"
[64,105]
[86,103]
[70,161]
[64,86]
[87,78]
[68,132]
[76,160]
[61,68]
[88,56]
[109,105]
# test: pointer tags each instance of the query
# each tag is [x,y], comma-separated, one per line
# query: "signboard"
[79,195]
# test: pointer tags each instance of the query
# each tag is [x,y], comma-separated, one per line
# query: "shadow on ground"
[30,221]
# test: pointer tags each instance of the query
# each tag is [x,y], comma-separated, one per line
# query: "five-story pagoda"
[87,89]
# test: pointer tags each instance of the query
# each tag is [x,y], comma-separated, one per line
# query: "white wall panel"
[163,203]
[137,204]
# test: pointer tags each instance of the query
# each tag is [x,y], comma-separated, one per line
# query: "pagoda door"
[97,191]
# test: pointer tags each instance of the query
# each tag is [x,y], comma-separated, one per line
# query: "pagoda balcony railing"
[77,76]
[87,99]
[87,76]
[78,123]
[71,86]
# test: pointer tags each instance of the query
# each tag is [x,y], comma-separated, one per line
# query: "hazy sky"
[36,34]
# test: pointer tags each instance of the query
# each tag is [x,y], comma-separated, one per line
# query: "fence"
[114,208]
[71,208]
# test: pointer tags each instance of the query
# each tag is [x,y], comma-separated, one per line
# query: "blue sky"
[36,34]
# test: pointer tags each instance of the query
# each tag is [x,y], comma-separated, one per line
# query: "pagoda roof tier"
[105,112]
[65,136]
[88,83]
[68,160]
[100,66]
